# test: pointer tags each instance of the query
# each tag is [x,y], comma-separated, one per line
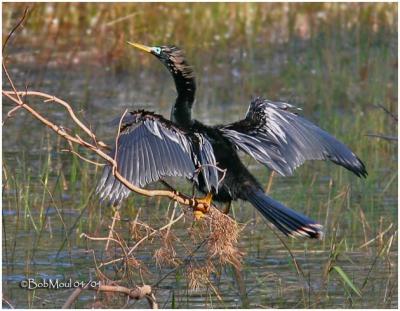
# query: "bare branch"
[11,82]
[8,303]
[381,136]
[74,296]
[14,29]
[82,157]
[110,233]
[391,114]
[50,98]
[10,113]
[117,139]
[137,293]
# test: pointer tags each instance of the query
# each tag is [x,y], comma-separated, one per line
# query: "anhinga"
[151,147]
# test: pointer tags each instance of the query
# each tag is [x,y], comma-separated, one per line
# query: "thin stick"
[14,29]
[271,177]
[8,303]
[82,157]
[135,293]
[189,257]
[10,113]
[74,296]
[110,233]
[172,221]
[382,136]
[394,117]
[117,139]
[51,98]
[299,270]
[379,236]
[4,66]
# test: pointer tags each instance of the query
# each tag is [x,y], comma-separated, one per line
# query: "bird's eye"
[157,50]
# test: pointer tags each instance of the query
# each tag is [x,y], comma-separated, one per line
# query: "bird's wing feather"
[150,148]
[283,140]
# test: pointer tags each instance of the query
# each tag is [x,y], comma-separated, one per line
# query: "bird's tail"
[286,220]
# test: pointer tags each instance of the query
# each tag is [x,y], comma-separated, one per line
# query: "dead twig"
[82,157]
[299,270]
[172,221]
[379,236]
[387,111]
[50,98]
[137,293]
[117,138]
[15,29]
[9,114]
[110,234]
[270,179]
[382,136]
[184,261]
[7,303]
[74,296]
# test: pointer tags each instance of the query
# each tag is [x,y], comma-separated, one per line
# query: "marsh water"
[338,75]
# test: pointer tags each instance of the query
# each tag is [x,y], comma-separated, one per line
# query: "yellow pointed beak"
[140,46]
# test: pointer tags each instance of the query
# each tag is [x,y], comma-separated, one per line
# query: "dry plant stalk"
[166,254]
[223,239]
[198,276]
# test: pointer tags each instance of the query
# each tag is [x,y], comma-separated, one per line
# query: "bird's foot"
[202,206]
[206,200]
[198,214]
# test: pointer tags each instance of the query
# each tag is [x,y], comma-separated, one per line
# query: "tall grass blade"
[347,280]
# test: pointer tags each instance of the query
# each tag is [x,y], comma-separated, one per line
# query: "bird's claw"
[198,215]
[206,200]
[202,206]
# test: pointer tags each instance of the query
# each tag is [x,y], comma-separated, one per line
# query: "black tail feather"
[288,221]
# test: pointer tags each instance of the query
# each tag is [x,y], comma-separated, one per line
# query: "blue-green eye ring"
[156,50]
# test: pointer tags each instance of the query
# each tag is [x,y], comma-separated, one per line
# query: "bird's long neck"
[182,110]
[183,75]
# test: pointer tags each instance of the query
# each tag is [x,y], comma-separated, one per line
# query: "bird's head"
[171,56]
[174,59]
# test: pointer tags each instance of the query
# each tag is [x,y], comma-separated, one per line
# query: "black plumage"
[283,140]
[151,147]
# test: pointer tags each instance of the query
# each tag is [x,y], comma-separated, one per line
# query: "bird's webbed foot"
[202,206]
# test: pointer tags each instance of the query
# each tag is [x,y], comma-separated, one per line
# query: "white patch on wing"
[153,128]
[274,121]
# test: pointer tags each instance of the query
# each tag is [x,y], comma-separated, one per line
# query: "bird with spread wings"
[150,147]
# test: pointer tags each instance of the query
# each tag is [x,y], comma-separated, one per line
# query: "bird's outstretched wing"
[283,140]
[151,147]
